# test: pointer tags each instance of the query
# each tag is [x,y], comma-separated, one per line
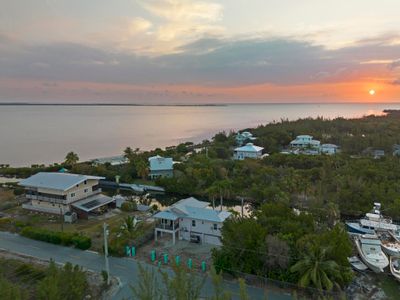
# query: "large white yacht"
[373,221]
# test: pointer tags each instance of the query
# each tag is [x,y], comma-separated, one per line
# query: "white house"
[58,193]
[305,141]
[161,167]
[112,160]
[247,151]
[244,136]
[191,220]
[329,149]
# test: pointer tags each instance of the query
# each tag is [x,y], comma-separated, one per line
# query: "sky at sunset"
[199,51]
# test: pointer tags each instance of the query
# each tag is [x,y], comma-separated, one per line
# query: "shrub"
[59,238]
[129,206]
[18,191]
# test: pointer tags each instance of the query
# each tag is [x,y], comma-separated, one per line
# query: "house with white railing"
[305,141]
[58,193]
[192,220]
[248,151]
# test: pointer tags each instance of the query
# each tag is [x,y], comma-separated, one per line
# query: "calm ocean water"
[44,134]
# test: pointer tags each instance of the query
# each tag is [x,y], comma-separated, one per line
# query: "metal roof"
[159,163]
[92,202]
[56,180]
[249,147]
[193,209]
[167,215]
[329,146]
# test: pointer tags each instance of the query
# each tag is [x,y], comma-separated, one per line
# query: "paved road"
[125,269]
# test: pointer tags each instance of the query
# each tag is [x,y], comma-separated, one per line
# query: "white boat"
[369,249]
[390,245]
[357,264]
[372,221]
[395,267]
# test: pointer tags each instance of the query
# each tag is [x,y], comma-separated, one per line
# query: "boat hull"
[395,273]
[390,251]
[355,228]
[374,267]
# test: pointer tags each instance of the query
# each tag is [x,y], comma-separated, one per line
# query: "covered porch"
[166,222]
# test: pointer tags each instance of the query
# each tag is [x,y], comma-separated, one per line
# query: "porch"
[166,222]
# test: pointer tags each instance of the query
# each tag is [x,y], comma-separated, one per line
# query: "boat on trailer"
[369,249]
[395,267]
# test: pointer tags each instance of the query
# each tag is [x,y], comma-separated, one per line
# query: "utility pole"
[241,198]
[62,219]
[105,231]
[221,200]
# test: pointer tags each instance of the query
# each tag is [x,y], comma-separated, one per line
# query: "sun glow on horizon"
[372,92]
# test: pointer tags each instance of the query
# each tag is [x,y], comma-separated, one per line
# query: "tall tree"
[71,158]
[142,168]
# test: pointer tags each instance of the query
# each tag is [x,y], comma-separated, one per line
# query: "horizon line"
[184,104]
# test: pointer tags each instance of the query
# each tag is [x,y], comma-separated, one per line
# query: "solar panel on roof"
[91,204]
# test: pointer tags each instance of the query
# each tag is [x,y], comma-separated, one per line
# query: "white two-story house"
[58,193]
[161,167]
[248,151]
[329,149]
[305,141]
[192,220]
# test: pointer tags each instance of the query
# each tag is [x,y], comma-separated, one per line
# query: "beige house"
[58,193]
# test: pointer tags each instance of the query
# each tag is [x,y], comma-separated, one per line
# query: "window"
[85,190]
[194,223]
[85,182]
[215,227]
[72,195]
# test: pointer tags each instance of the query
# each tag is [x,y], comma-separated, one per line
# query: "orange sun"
[371,92]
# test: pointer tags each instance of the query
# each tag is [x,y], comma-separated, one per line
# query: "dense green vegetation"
[57,237]
[20,281]
[130,232]
[278,243]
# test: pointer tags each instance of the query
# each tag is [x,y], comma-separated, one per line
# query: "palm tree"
[315,269]
[71,158]
[212,193]
[128,152]
[129,224]
[142,169]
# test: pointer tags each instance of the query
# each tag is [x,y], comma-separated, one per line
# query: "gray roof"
[56,181]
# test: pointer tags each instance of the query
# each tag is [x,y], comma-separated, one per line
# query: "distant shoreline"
[190,105]
[101,104]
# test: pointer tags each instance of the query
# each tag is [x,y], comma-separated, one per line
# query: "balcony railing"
[47,199]
[167,227]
